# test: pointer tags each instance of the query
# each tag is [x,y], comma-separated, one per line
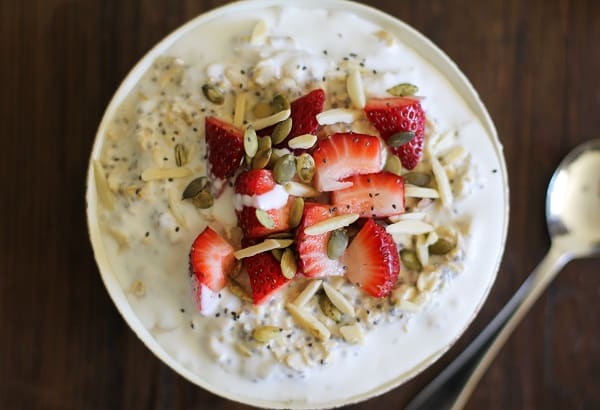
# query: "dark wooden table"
[63,344]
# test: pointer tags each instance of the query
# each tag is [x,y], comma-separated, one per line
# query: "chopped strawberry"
[372,260]
[253,229]
[342,155]
[304,113]
[254,182]
[312,249]
[211,260]
[225,144]
[206,300]
[371,195]
[265,276]
[400,114]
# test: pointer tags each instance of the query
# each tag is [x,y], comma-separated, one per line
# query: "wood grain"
[536,65]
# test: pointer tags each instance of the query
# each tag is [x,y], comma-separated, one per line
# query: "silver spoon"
[573,218]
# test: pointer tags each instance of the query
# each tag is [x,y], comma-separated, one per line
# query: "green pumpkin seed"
[284,169]
[280,103]
[265,219]
[262,110]
[288,264]
[273,160]
[264,334]
[262,158]
[180,155]
[393,165]
[277,254]
[305,167]
[194,187]
[250,142]
[213,94]
[338,241]
[329,308]
[410,260]
[417,178]
[403,90]
[296,212]
[400,138]
[264,143]
[203,200]
[281,131]
[442,246]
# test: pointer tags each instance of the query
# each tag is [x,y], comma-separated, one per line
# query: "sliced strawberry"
[255,182]
[371,195]
[342,155]
[253,229]
[400,114]
[205,299]
[372,260]
[304,113]
[225,144]
[265,276]
[211,260]
[312,249]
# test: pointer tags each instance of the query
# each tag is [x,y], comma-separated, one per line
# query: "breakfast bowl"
[391,148]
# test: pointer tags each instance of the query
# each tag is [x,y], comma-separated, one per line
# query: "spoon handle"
[453,386]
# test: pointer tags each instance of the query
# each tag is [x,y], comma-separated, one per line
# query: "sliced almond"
[264,334]
[409,227]
[240,109]
[301,190]
[337,115]
[264,246]
[413,191]
[419,216]
[259,33]
[331,224]
[307,293]
[352,333]
[173,201]
[304,141]
[243,349]
[338,300]
[356,92]
[265,122]
[102,188]
[308,322]
[153,174]
[442,182]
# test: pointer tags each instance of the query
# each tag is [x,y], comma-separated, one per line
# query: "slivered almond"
[338,300]
[307,293]
[240,109]
[102,189]
[265,122]
[302,190]
[338,115]
[259,33]
[412,191]
[419,216]
[267,245]
[352,333]
[153,174]
[308,322]
[409,227]
[356,92]
[442,182]
[331,224]
[173,201]
[304,141]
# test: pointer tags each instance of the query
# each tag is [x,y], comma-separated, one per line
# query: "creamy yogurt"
[148,235]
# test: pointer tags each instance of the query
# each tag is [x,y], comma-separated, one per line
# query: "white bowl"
[477,278]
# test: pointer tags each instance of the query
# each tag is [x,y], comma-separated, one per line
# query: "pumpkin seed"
[203,200]
[195,187]
[261,159]
[281,235]
[393,165]
[264,334]
[296,212]
[403,90]
[284,169]
[329,308]
[442,246]
[288,264]
[281,131]
[277,254]
[262,110]
[280,103]
[400,138]
[213,94]
[250,142]
[180,155]
[305,166]
[410,260]
[264,143]
[273,160]
[337,243]
[265,219]
[417,178]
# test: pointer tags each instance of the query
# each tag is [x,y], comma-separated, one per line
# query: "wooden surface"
[63,345]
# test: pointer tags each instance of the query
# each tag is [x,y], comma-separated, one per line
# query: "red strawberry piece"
[225,144]
[206,300]
[372,260]
[211,260]
[393,115]
[253,229]
[312,249]
[371,195]
[342,155]
[265,276]
[255,182]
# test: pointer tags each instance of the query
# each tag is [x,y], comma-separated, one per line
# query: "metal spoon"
[573,218]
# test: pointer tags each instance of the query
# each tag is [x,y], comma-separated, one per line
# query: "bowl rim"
[459,82]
